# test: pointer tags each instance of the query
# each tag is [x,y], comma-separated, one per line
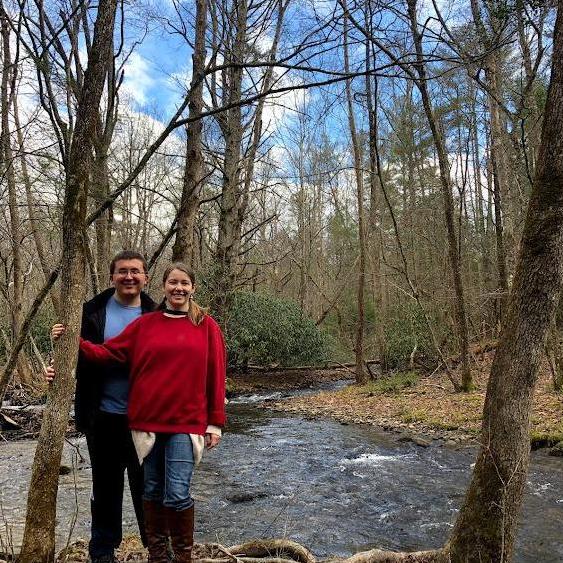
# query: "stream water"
[331,487]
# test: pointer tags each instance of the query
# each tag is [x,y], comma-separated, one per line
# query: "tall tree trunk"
[100,191]
[228,240]
[484,264]
[39,535]
[257,127]
[486,527]
[500,179]
[183,249]
[447,195]
[100,186]
[361,372]
[374,218]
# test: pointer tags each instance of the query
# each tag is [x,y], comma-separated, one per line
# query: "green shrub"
[266,330]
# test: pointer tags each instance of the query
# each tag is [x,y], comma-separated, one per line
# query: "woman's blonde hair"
[196,313]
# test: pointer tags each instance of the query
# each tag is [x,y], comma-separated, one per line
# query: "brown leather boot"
[156,527]
[181,525]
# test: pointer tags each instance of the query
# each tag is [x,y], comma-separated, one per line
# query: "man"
[101,405]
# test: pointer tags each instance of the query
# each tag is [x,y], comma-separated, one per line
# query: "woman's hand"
[211,440]
[56,331]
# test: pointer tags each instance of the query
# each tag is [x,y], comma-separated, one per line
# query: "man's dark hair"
[127,255]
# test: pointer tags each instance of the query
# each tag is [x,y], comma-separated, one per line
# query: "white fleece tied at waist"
[144,442]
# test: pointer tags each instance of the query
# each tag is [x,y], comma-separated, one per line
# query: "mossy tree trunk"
[486,526]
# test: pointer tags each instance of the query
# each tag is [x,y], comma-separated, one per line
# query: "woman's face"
[178,289]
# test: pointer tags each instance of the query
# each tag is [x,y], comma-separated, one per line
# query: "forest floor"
[418,407]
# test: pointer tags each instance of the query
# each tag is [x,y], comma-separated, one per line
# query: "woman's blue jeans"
[168,471]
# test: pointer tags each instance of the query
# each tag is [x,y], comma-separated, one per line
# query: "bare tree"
[447,195]
[33,218]
[39,536]
[7,95]
[374,219]
[361,373]
[238,164]
[487,523]
[183,249]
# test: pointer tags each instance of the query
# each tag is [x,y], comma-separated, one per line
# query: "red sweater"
[177,372]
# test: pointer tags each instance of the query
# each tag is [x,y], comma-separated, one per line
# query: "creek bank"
[23,422]
[282,380]
[428,410]
[321,406]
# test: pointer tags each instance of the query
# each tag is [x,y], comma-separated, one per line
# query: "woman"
[176,403]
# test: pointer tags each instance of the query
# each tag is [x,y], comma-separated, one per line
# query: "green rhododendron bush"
[265,330]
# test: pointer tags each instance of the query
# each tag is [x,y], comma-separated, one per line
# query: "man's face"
[129,278]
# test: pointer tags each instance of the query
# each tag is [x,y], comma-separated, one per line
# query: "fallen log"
[255,551]
[332,365]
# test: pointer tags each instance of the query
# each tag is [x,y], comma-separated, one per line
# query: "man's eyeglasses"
[133,272]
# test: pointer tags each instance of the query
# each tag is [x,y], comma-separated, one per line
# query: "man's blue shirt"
[115,390]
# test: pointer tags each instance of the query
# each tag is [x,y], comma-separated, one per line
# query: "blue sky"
[154,68]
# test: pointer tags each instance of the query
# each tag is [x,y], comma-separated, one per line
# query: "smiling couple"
[150,396]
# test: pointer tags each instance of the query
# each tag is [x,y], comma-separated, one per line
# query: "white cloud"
[138,78]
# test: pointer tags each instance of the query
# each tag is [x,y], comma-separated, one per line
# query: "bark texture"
[183,249]
[228,240]
[39,535]
[486,527]
[100,192]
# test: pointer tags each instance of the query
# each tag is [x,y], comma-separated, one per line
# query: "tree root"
[277,548]
[256,551]
[379,556]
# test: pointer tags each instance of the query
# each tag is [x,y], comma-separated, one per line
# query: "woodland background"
[366,180]
[340,205]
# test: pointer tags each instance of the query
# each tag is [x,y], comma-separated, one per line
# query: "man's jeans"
[168,471]
[112,452]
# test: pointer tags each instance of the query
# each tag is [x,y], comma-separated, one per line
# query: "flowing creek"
[334,488]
